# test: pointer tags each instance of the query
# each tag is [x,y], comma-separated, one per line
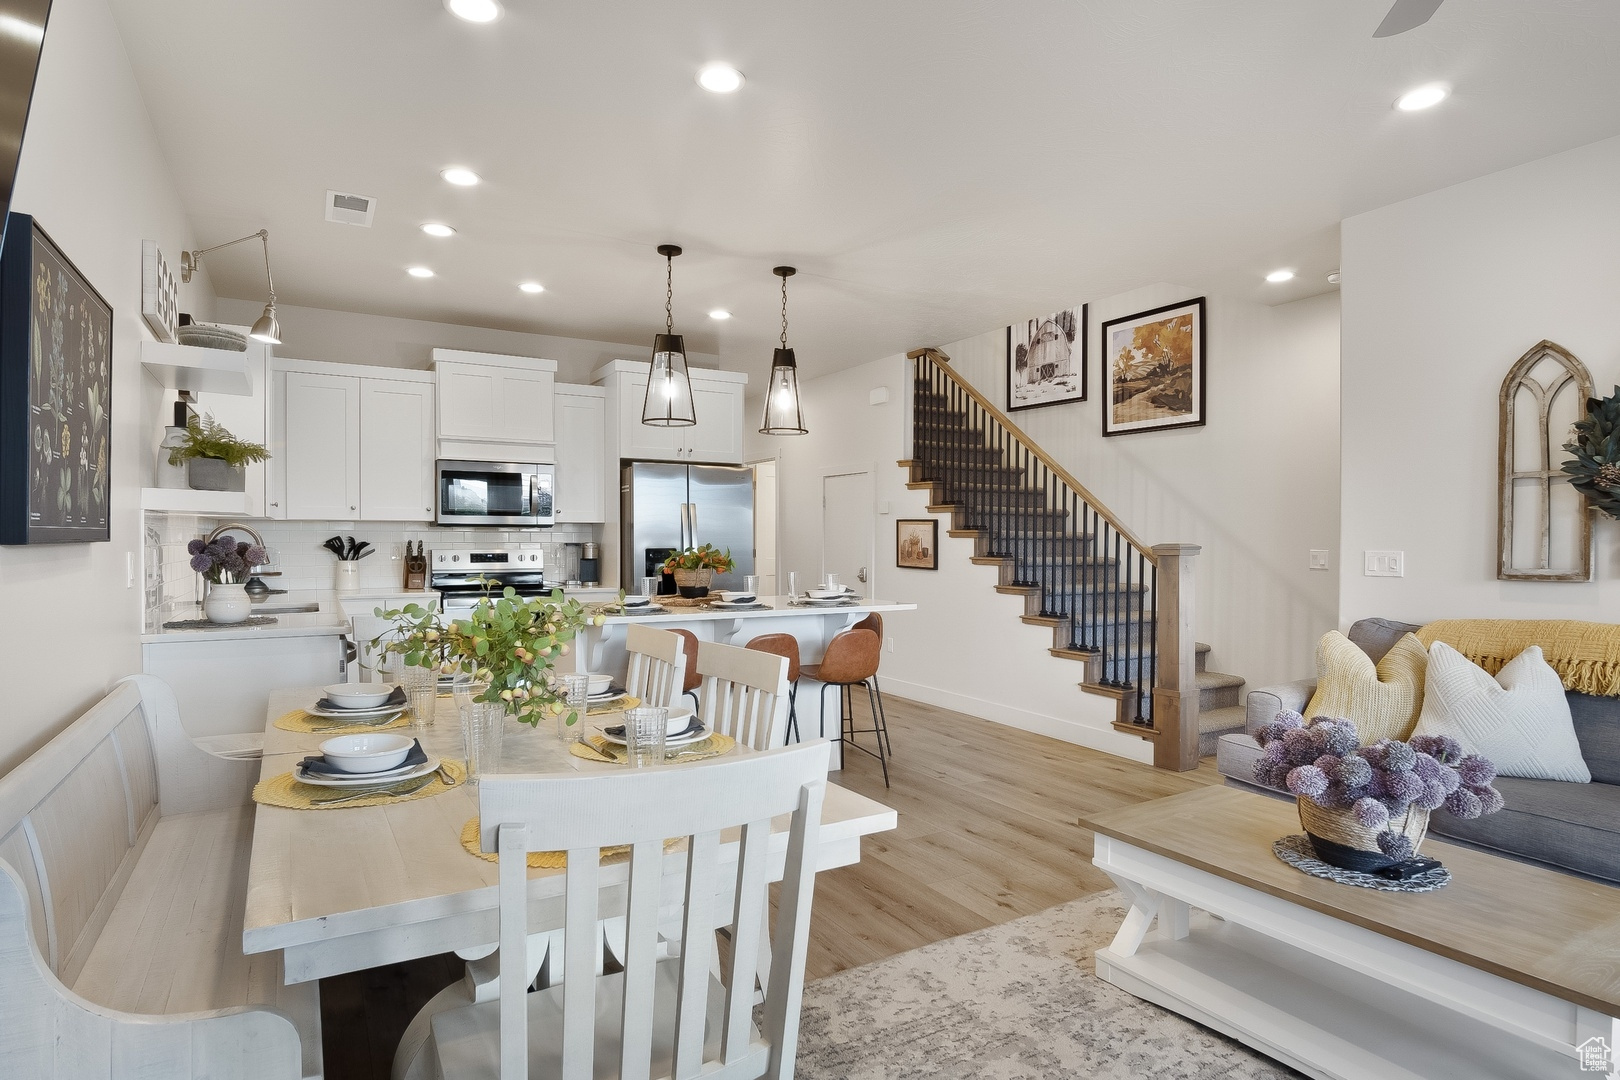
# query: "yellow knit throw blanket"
[1585,654]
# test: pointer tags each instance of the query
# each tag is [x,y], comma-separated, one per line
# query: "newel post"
[1175,694]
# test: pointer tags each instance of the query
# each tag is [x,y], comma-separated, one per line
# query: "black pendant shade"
[783,413]
[668,401]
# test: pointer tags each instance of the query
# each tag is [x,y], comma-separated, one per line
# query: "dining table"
[348,887]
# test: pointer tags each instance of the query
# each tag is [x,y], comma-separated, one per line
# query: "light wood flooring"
[989,831]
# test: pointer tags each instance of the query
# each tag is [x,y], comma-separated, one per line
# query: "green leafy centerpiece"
[508,644]
[694,568]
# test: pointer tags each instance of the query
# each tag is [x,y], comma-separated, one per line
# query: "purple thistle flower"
[255,555]
[1375,785]
[1432,798]
[1354,771]
[1403,786]
[1374,755]
[201,563]
[1371,813]
[1270,734]
[1354,795]
[1396,845]
[1450,780]
[1490,800]
[195,546]
[1329,766]
[1398,756]
[1339,737]
[1288,718]
[1271,774]
[1307,781]
[1336,797]
[1464,804]
[1428,768]
[1476,771]
[1303,745]
[1274,753]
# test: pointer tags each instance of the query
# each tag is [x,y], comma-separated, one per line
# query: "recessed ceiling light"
[1277,277]
[719,78]
[532,287]
[479,11]
[418,271]
[720,314]
[1424,97]
[460,177]
[434,228]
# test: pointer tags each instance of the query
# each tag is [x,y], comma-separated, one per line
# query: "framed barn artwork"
[1046,360]
[1153,369]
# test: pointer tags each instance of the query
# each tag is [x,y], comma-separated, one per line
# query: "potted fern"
[215,460]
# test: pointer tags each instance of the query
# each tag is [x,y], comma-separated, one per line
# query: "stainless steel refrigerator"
[667,507]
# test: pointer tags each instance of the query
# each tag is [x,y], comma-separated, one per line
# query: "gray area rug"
[1020,1001]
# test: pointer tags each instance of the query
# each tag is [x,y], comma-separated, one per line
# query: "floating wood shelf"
[188,367]
[187,501]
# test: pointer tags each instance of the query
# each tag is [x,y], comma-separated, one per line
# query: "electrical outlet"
[889,641]
[1385,564]
[1319,559]
[129,569]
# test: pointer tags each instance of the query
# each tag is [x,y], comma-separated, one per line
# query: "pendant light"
[783,416]
[669,387]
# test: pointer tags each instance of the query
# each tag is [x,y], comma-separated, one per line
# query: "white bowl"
[734,597]
[679,717]
[372,752]
[601,684]
[637,601]
[826,594]
[357,695]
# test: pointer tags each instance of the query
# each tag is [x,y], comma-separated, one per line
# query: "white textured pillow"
[1520,719]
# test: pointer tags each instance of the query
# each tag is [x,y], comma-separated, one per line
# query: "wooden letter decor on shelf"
[1544,526]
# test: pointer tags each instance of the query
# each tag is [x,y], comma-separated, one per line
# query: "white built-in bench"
[123,882]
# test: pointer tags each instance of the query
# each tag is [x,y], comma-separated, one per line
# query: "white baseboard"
[1106,740]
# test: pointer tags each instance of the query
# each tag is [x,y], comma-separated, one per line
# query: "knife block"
[415,572]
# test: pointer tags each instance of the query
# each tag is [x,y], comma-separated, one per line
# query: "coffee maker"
[590,564]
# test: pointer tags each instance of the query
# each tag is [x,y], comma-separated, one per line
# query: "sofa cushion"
[1377,636]
[1597,726]
[1519,718]
[1382,701]
[1576,826]
[1235,755]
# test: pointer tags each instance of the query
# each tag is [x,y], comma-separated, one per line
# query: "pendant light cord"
[669,294]
[784,311]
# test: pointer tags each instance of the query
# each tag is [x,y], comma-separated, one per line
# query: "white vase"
[346,576]
[227,604]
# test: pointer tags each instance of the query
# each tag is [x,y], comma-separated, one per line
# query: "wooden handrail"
[939,360]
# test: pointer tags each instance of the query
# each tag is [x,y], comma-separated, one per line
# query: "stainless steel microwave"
[495,493]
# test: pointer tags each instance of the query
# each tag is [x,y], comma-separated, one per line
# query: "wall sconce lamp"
[267,329]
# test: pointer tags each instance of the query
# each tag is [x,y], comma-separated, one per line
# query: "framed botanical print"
[1046,360]
[1153,369]
[55,394]
[916,545]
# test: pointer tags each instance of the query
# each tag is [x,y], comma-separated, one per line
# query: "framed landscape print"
[916,544]
[1153,369]
[1046,360]
[55,394]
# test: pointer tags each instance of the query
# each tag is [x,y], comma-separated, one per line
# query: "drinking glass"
[751,584]
[649,586]
[424,702]
[646,735]
[793,584]
[462,688]
[481,725]
[576,688]
[832,582]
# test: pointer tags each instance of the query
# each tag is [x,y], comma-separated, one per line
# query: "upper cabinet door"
[396,450]
[467,394]
[321,457]
[523,405]
[581,492]
[643,442]
[718,434]
[486,403]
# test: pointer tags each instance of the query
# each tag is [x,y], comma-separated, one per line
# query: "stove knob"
[455,558]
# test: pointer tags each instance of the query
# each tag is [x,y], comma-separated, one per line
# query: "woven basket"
[1341,829]
[693,583]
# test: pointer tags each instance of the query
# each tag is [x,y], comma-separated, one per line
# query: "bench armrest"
[189,777]
[1266,702]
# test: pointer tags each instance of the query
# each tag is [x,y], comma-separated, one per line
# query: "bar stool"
[784,645]
[692,680]
[852,660]
[874,623]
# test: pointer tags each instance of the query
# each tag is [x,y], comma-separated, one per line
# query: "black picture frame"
[1172,398]
[922,556]
[1073,324]
[55,394]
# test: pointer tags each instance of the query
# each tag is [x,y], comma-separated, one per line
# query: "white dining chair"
[657,665]
[744,693]
[657,1018]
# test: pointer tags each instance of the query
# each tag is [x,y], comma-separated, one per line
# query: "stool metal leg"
[793,714]
[882,717]
[877,730]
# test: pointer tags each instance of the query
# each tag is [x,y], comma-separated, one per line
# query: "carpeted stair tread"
[1217,680]
[1214,723]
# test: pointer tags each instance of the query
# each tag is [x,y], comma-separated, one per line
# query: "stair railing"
[1129,606]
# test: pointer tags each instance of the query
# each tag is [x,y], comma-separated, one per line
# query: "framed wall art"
[55,394]
[1153,369]
[1046,360]
[916,544]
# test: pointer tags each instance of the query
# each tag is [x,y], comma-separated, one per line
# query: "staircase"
[1115,606]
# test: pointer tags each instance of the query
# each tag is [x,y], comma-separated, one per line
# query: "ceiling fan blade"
[1406,15]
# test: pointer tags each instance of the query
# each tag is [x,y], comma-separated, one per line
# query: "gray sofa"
[1569,827]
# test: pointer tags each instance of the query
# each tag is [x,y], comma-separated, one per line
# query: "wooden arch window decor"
[1545,526]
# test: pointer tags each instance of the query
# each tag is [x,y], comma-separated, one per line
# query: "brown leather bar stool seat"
[692,680]
[785,645]
[852,660]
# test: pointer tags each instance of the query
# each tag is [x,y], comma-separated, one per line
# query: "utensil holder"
[346,576]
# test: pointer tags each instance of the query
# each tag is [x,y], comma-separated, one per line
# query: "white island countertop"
[775,607]
[333,614]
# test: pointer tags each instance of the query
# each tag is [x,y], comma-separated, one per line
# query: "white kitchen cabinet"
[320,452]
[396,450]
[488,398]
[582,472]
[717,400]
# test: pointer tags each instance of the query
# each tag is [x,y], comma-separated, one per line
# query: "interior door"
[846,529]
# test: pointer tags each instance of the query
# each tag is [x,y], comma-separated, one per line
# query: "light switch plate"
[1319,559]
[1385,564]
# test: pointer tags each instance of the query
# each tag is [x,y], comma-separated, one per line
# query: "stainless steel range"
[456,574]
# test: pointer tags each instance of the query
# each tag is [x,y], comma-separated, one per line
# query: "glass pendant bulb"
[783,415]
[668,401]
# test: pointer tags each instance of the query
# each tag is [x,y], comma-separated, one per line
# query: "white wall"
[1257,487]
[91,174]
[347,337]
[1442,294]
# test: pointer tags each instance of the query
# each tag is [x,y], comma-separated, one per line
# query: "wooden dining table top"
[346,888]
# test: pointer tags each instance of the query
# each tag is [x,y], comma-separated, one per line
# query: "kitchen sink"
[285,609]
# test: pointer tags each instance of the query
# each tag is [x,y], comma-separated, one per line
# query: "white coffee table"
[1510,971]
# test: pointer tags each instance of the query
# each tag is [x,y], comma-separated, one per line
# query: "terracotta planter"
[693,583]
[1350,844]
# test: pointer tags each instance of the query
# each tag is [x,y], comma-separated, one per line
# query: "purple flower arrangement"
[225,561]
[1324,761]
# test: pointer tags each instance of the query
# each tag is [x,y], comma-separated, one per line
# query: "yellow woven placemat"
[619,705]
[549,860]
[284,791]
[300,721]
[596,748]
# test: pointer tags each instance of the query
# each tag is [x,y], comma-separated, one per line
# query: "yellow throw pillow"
[1382,702]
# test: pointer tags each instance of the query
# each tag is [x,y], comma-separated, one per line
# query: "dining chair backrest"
[872,622]
[692,679]
[785,645]
[851,657]
[744,693]
[641,809]
[657,665]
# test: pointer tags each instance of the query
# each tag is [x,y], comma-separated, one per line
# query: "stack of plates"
[695,732]
[392,776]
[378,714]
[612,693]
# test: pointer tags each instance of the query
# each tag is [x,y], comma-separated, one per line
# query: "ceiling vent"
[343,208]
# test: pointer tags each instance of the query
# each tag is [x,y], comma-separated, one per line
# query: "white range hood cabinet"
[493,407]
